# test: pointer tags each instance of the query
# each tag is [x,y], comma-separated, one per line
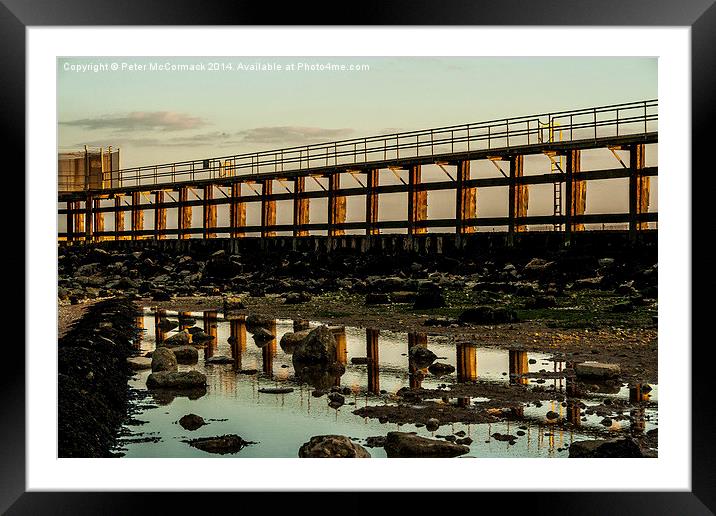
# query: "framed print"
[435,238]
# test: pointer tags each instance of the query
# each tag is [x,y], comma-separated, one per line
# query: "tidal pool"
[279,424]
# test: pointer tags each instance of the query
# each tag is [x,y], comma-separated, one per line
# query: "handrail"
[496,134]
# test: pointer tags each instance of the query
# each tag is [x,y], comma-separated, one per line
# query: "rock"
[191,422]
[375,442]
[233,304]
[432,424]
[301,324]
[537,268]
[587,283]
[259,321]
[610,448]
[438,368]
[275,390]
[161,295]
[465,440]
[377,299]
[403,297]
[295,298]
[163,360]
[336,399]
[488,315]
[222,445]
[139,363]
[403,444]
[167,325]
[263,336]
[421,356]
[199,336]
[219,359]
[186,354]
[359,360]
[541,302]
[552,415]
[332,446]
[596,370]
[181,338]
[429,295]
[623,307]
[318,347]
[290,340]
[176,380]
[503,437]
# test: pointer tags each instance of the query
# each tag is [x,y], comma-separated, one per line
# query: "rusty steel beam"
[465,199]
[336,205]
[639,189]
[184,213]
[417,202]
[301,206]
[209,213]
[97,220]
[160,215]
[518,197]
[118,217]
[137,215]
[371,202]
[237,211]
[268,209]
[576,195]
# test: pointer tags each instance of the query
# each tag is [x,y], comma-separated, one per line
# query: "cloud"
[140,120]
[283,135]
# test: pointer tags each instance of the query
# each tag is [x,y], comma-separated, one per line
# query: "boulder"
[488,315]
[438,368]
[336,400]
[373,298]
[596,370]
[262,336]
[295,298]
[429,295]
[403,444]
[222,445]
[332,446]
[609,448]
[541,302]
[200,336]
[181,338]
[219,359]
[167,325]
[317,348]
[259,321]
[232,304]
[186,354]
[176,380]
[163,360]
[191,422]
[421,356]
[139,363]
[290,340]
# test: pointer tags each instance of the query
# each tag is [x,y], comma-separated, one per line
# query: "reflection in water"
[466,362]
[159,316]
[185,320]
[237,339]
[417,373]
[371,352]
[140,333]
[518,367]
[211,329]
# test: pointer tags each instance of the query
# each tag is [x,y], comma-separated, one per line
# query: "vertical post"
[268,209]
[209,212]
[137,215]
[300,207]
[639,186]
[465,199]
[466,362]
[576,198]
[160,215]
[371,202]
[417,202]
[118,217]
[518,198]
[519,366]
[336,205]
[70,220]
[371,339]
[237,213]
[88,218]
[184,213]
[98,220]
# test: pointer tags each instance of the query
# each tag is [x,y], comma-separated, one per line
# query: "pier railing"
[563,126]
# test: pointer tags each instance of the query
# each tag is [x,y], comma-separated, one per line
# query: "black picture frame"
[700,15]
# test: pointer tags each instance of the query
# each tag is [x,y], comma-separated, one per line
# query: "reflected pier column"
[416,374]
[237,328]
[210,328]
[269,351]
[371,339]
[519,365]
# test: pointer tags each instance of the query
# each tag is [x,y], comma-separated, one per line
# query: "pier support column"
[137,215]
[371,339]
[417,202]
[518,198]
[576,195]
[300,207]
[639,188]
[118,217]
[70,221]
[184,213]
[336,205]
[97,220]
[88,218]
[466,363]
[519,366]
[160,215]
[79,220]
[237,211]
[209,212]
[465,199]
[268,209]
[371,202]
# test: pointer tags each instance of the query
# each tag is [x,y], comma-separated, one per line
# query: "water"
[281,423]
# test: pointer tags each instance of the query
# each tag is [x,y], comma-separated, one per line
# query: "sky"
[233,105]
